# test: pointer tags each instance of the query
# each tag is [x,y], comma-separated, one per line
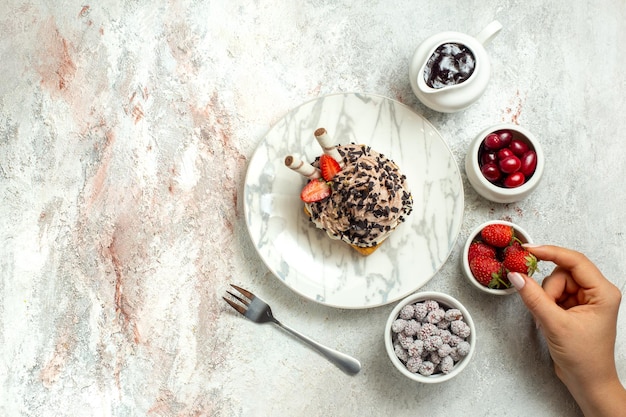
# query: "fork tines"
[246,293]
[240,308]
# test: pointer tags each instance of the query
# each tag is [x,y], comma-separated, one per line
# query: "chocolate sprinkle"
[369,198]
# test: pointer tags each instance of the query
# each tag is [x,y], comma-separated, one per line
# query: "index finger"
[584,272]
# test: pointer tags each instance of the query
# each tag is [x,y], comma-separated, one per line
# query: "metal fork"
[259,311]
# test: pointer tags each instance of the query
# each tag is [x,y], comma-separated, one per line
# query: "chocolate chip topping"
[369,198]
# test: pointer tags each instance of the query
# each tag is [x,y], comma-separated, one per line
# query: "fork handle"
[346,363]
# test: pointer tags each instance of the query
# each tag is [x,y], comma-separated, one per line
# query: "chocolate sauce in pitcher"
[450,64]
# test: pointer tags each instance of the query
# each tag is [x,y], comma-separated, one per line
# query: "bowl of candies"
[430,337]
[491,251]
[504,163]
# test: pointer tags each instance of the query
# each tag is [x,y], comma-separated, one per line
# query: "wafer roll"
[326,142]
[302,168]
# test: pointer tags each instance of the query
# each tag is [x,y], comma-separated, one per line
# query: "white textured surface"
[125,132]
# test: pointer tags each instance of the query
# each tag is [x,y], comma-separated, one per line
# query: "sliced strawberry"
[329,167]
[315,190]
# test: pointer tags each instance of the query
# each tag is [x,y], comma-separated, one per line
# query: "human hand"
[577,312]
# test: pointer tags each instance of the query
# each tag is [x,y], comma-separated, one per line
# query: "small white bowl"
[492,191]
[448,302]
[520,233]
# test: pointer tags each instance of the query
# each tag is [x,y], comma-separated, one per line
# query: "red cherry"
[529,163]
[491,172]
[505,137]
[514,180]
[510,164]
[519,147]
[504,153]
[493,142]
[487,157]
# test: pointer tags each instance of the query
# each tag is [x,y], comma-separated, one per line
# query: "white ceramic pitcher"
[456,97]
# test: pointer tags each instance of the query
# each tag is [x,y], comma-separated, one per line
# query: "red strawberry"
[315,190]
[498,235]
[515,246]
[488,272]
[329,167]
[520,261]
[480,249]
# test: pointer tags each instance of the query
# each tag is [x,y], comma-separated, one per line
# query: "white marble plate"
[329,271]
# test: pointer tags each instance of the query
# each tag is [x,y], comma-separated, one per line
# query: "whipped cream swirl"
[369,198]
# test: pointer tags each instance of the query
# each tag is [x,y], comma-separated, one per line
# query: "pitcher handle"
[488,33]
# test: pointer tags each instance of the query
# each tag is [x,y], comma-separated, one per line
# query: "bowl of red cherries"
[504,163]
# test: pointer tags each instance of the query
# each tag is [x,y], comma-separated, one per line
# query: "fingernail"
[517,280]
[530,245]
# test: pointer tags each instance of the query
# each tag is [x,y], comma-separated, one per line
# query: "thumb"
[537,301]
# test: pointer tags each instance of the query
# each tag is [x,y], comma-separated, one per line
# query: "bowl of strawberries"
[504,163]
[492,250]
